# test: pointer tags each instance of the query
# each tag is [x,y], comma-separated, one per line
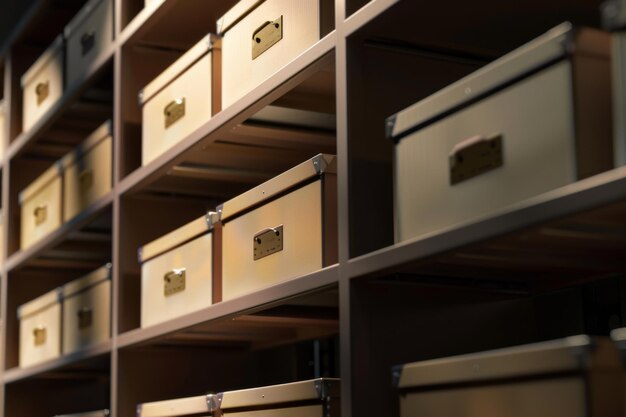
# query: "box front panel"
[298,29]
[178,110]
[87,179]
[177,282]
[299,214]
[88,40]
[41,214]
[543,398]
[43,91]
[3,140]
[40,336]
[316,410]
[508,147]
[87,317]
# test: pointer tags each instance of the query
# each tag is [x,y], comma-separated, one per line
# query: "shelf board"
[27,140]
[317,58]
[572,234]
[365,14]
[158,23]
[62,367]
[247,304]
[35,255]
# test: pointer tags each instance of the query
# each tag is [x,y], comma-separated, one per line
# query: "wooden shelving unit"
[548,267]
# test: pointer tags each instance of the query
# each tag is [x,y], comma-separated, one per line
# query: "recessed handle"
[41,214]
[85,179]
[174,281]
[85,317]
[267,242]
[174,111]
[475,156]
[87,41]
[266,36]
[42,90]
[39,335]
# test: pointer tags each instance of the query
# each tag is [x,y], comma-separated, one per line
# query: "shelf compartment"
[298,288]
[158,24]
[564,237]
[68,387]
[286,341]
[83,107]
[82,243]
[230,141]
[416,321]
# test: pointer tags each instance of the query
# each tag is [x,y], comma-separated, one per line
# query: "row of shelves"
[518,266]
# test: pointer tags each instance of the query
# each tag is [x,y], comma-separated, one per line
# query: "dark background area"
[11,11]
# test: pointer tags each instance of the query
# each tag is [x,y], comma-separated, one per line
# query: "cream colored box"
[88,172]
[181,98]
[87,310]
[262,36]
[40,206]
[535,120]
[177,272]
[42,84]
[314,398]
[99,413]
[577,376]
[281,229]
[88,35]
[40,328]
[190,406]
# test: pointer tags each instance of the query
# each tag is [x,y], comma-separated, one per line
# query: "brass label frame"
[266,36]
[85,317]
[174,111]
[41,214]
[40,335]
[42,90]
[87,42]
[475,156]
[174,281]
[267,242]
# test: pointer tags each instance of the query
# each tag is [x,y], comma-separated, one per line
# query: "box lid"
[176,407]
[44,179]
[81,16]
[99,413]
[40,303]
[91,279]
[316,166]
[546,49]
[177,237]
[42,61]
[235,14]
[576,353]
[204,46]
[97,136]
[314,389]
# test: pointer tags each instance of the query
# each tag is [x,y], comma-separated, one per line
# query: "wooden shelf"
[65,367]
[569,235]
[234,310]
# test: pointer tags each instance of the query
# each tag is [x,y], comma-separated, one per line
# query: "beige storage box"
[40,329]
[282,229]
[177,272]
[87,36]
[572,377]
[87,310]
[314,398]
[181,99]
[100,413]
[40,206]
[262,36]
[88,172]
[537,119]
[42,84]
[191,406]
